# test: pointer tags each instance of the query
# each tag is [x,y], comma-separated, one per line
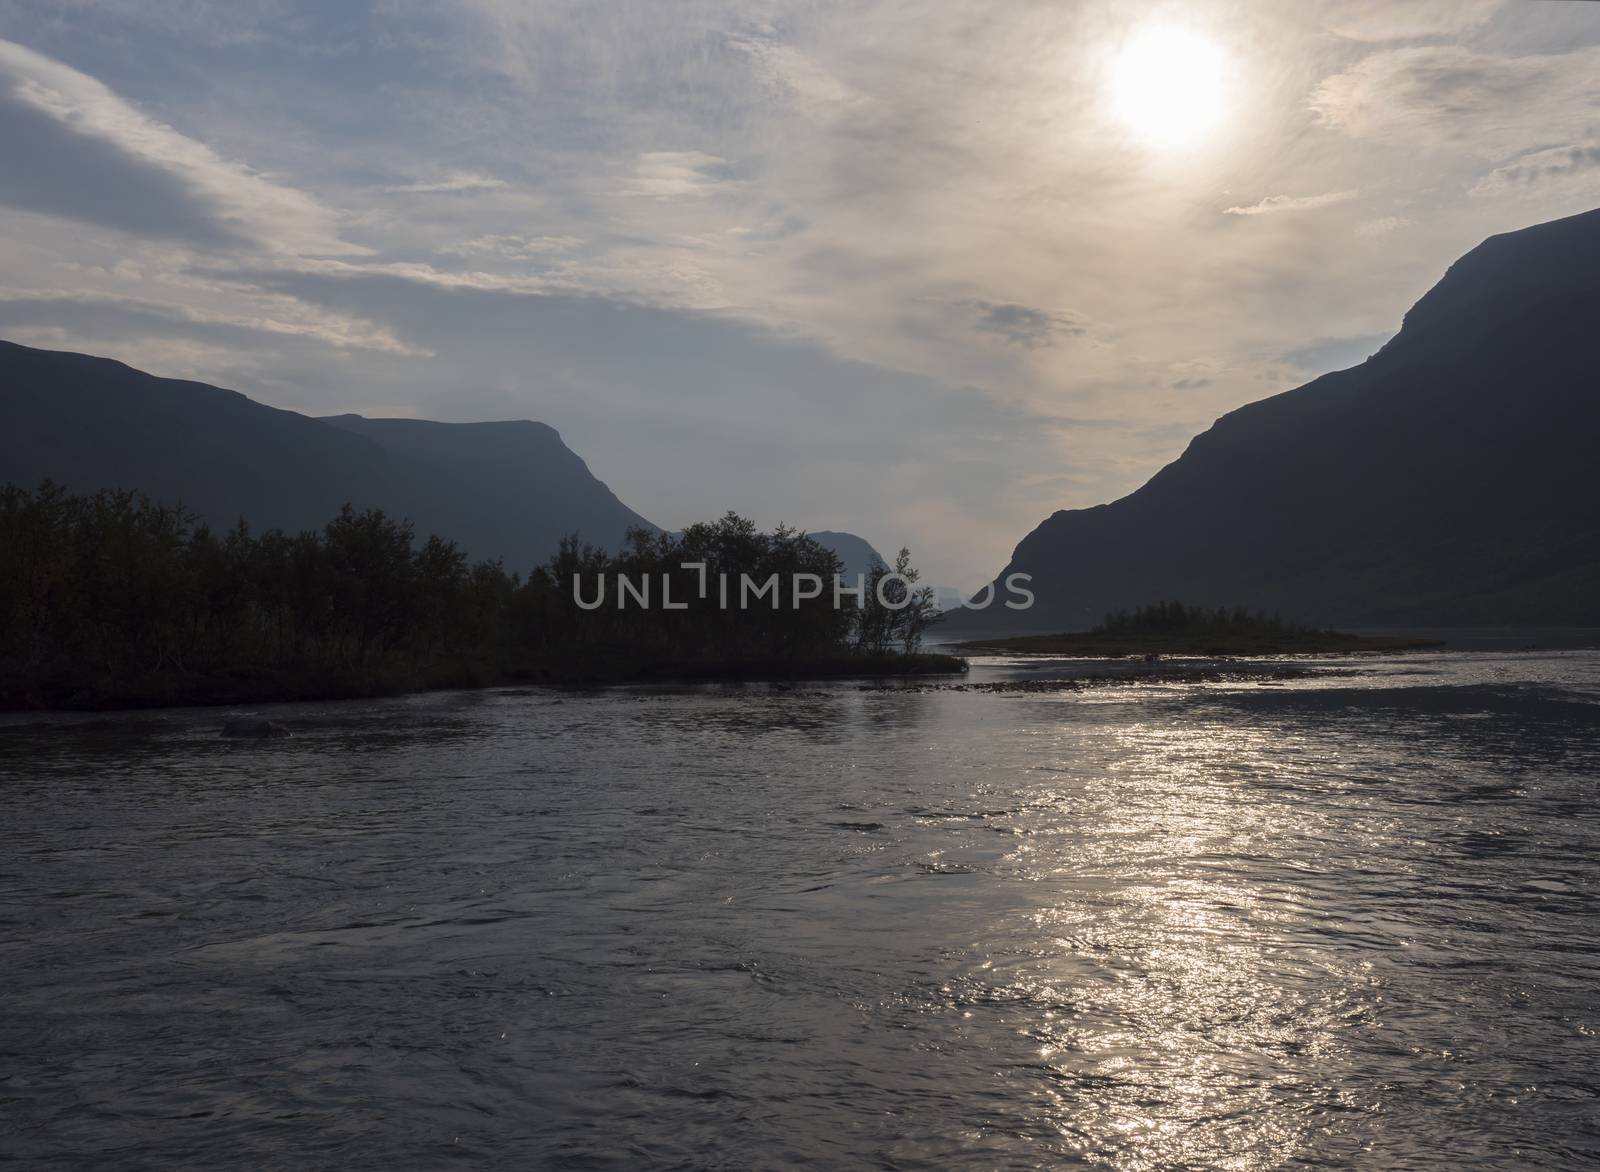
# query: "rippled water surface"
[1346,921]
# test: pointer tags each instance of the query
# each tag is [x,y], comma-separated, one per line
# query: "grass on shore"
[66,691]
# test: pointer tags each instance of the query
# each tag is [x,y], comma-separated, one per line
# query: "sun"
[1167,86]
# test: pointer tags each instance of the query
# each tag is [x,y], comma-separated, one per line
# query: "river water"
[1341,921]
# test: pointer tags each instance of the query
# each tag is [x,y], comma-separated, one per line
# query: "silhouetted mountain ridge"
[1447,480]
[856,553]
[518,487]
[509,490]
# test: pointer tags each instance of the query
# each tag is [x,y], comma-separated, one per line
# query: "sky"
[924,272]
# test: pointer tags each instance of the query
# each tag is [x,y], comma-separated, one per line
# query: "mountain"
[514,489]
[1446,481]
[507,490]
[855,552]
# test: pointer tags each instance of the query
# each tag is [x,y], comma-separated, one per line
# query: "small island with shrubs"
[1171,628]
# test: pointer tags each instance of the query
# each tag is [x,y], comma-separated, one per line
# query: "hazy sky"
[925,271]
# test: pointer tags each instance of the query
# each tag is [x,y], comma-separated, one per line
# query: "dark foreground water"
[1344,922]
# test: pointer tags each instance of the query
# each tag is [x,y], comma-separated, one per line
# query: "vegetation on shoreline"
[111,601]
[1171,628]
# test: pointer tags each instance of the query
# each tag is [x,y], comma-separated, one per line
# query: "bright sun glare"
[1166,86]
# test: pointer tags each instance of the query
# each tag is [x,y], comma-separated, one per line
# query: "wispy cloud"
[799,77]
[676,174]
[1398,20]
[455,183]
[93,157]
[1538,168]
[274,315]
[1436,97]
[515,247]
[1382,226]
[1290,203]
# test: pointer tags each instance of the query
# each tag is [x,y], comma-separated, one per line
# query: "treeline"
[1176,618]
[112,598]
[726,591]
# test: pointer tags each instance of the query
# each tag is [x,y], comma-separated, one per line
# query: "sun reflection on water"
[1186,1004]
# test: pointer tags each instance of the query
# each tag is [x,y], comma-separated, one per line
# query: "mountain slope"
[857,553]
[507,490]
[94,423]
[1447,480]
[514,488]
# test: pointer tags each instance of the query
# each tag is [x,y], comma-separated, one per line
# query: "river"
[1348,920]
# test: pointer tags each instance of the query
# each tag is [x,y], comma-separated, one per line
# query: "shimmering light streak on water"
[1349,920]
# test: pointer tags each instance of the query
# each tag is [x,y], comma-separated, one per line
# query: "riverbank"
[64,692]
[1100,645]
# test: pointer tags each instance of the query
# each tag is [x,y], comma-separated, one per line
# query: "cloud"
[1538,168]
[802,80]
[662,64]
[94,158]
[307,365]
[514,247]
[1382,226]
[676,174]
[274,315]
[649,279]
[1193,374]
[455,183]
[1395,20]
[1023,325]
[1448,96]
[1498,126]
[1290,203]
